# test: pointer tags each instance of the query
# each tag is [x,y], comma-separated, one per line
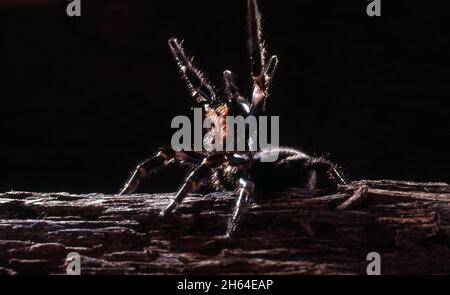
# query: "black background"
[83,100]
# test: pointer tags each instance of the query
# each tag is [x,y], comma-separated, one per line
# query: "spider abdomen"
[293,169]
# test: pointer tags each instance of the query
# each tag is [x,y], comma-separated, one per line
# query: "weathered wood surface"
[288,233]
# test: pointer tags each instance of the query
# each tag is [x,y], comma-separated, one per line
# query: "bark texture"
[293,232]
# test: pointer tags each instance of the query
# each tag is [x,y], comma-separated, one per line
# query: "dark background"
[83,100]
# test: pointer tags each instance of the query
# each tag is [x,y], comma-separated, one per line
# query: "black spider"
[244,170]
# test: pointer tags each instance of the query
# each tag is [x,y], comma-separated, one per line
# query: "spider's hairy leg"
[338,177]
[261,69]
[270,70]
[147,168]
[255,42]
[194,180]
[199,86]
[245,195]
[142,171]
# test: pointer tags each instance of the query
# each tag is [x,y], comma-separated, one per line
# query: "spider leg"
[197,83]
[194,180]
[270,70]
[338,177]
[257,50]
[262,71]
[149,166]
[245,196]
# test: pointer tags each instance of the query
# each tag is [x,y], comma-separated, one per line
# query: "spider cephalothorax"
[247,172]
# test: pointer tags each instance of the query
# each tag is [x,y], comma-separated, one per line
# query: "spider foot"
[169,209]
[230,231]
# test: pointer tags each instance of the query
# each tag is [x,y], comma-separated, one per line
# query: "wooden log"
[293,232]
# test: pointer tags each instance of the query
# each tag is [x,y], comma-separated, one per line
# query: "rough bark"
[293,232]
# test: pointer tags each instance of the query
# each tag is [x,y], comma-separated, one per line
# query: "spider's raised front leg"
[194,179]
[199,86]
[245,196]
[147,168]
[261,69]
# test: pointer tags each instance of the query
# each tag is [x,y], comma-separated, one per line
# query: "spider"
[245,172]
